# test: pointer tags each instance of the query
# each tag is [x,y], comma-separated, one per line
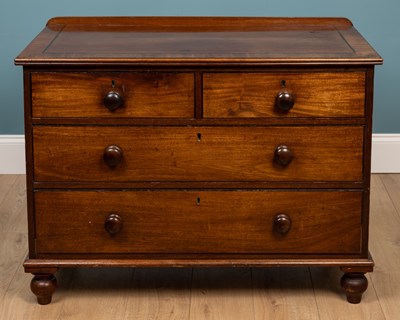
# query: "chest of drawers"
[198,142]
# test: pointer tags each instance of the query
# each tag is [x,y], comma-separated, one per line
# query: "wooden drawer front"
[250,95]
[198,222]
[320,153]
[145,95]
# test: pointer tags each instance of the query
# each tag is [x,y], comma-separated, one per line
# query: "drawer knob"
[282,223]
[113,155]
[113,100]
[113,223]
[283,155]
[284,101]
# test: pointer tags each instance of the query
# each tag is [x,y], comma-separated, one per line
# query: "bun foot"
[355,285]
[43,286]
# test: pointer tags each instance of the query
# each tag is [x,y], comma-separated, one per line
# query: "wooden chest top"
[198,40]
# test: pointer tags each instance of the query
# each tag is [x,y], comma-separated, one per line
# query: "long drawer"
[262,95]
[113,94]
[324,153]
[298,222]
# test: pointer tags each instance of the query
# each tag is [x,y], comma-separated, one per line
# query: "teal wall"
[377,20]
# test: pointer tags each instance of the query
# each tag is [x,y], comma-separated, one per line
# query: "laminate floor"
[194,294]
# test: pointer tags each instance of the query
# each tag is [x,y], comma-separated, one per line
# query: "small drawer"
[290,222]
[266,95]
[123,153]
[113,94]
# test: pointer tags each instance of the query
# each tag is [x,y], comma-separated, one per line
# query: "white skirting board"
[12,154]
[385,154]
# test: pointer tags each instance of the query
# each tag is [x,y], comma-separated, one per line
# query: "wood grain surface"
[320,153]
[145,95]
[198,40]
[252,95]
[198,222]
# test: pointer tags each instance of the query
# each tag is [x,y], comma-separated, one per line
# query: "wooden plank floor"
[194,294]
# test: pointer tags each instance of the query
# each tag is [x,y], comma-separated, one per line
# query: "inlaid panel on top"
[230,44]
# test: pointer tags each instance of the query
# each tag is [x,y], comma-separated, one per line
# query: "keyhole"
[199,137]
[113,83]
[198,201]
[283,83]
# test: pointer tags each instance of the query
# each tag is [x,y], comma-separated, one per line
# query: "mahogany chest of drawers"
[198,142]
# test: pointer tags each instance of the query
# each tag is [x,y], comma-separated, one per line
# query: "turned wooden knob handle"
[283,155]
[113,155]
[282,223]
[284,101]
[113,223]
[113,100]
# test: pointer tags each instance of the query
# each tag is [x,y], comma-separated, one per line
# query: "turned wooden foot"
[43,285]
[355,285]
